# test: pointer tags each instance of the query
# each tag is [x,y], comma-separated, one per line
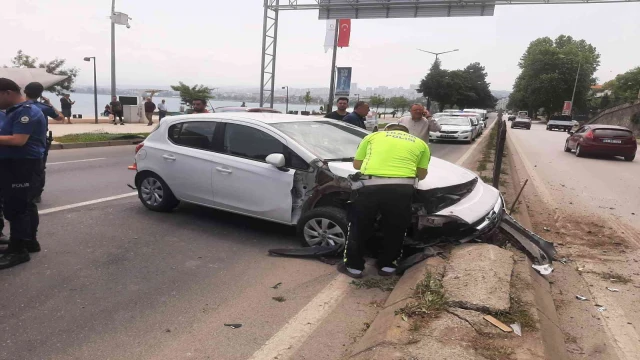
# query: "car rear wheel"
[566,147]
[155,194]
[579,152]
[323,226]
[630,157]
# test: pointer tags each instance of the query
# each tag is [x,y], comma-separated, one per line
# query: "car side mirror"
[570,132]
[276,160]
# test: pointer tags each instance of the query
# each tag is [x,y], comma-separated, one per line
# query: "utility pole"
[575,85]
[113,49]
[332,86]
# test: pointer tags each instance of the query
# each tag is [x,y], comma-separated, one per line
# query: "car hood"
[441,173]
[455,128]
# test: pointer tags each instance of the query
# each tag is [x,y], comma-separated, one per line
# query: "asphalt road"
[116,281]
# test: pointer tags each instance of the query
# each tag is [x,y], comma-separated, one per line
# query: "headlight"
[465,132]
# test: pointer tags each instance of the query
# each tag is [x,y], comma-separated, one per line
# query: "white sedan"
[292,170]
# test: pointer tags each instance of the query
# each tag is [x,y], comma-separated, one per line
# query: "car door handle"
[223,170]
[169,157]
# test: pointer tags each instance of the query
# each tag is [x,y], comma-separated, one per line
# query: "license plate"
[448,136]
[611,141]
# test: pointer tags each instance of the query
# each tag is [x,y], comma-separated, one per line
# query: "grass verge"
[429,298]
[382,283]
[98,136]
[611,276]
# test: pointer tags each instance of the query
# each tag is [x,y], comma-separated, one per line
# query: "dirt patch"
[382,283]
[492,349]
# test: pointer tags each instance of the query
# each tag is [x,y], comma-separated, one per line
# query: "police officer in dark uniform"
[3,238]
[22,145]
[33,91]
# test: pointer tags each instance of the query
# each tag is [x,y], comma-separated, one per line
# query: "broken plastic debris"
[602,309]
[546,229]
[276,285]
[233,326]
[564,260]
[613,290]
[543,269]
[517,328]
[581,298]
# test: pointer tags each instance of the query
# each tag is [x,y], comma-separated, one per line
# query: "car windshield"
[458,121]
[324,139]
[613,133]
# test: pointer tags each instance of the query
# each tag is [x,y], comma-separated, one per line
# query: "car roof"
[605,126]
[251,117]
[243,109]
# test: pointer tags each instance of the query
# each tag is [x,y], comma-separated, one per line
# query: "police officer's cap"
[33,90]
[8,85]
[395,126]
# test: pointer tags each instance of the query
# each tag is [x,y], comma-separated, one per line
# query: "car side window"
[254,144]
[193,134]
[581,130]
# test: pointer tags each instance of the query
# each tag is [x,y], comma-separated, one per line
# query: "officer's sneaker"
[387,271]
[352,273]
[14,258]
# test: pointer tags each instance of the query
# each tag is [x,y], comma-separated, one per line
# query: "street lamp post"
[436,54]
[95,86]
[117,18]
[287,100]
[573,95]
[358,95]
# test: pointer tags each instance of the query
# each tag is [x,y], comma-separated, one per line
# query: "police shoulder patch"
[25,119]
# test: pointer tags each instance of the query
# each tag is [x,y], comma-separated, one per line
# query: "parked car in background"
[597,139]
[371,121]
[560,122]
[521,123]
[293,170]
[456,128]
[511,117]
[225,109]
[478,121]
[482,112]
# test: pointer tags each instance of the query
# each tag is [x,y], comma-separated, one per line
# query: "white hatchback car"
[293,170]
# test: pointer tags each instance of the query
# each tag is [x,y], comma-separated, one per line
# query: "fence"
[497,163]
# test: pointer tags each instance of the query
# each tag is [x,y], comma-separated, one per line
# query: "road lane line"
[75,161]
[286,342]
[91,202]
[473,147]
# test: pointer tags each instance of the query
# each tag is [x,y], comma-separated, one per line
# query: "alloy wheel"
[323,232]
[152,191]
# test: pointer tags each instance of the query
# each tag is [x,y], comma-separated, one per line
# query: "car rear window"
[613,133]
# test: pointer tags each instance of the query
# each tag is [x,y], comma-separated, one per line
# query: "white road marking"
[473,147]
[74,161]
[285,343]
[91,202]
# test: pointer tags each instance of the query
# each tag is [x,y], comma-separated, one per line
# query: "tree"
[307,99]
[434,86]
[605,101]
[188,94]
[399,103]
[376,101]
[626,86]
[548,72]
[56,67]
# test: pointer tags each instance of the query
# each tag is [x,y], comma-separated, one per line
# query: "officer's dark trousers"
[393,203]
[40,176]
[1,212]
[16,186]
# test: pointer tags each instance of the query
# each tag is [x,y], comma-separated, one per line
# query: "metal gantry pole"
[268,63]
[332,85]
[264,44]
[95,90]
[275,48]
[113,49]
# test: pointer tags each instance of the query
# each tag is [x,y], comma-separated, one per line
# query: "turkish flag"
[344,32]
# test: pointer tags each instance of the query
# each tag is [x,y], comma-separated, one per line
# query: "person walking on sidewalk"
[33,91]
[417,124]
[22,145]
[65,106]
[116,110]
[162,110]
[149,108]
[389,162]
[341,112]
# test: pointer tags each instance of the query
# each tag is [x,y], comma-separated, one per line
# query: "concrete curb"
[63,146]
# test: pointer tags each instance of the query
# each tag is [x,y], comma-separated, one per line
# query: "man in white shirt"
[162,110]
[418,125]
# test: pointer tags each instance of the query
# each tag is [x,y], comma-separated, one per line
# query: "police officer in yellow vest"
[390,161]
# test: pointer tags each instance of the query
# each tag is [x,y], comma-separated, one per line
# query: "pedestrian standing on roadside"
[149,108]
[162,110]
[417,124]
[33,91]
[359,115]
[341,112]
[65,106]
[199,106]
[22,145]
[116,110]
[389,162]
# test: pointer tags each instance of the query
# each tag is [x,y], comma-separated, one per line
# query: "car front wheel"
[155,194]
[323,226]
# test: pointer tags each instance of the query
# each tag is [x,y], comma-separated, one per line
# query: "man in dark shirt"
[359,114]
[199,106]
[339,114]
[149,108]
[65,106]
[116,110]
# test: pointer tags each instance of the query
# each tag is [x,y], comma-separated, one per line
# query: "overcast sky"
[218,43]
